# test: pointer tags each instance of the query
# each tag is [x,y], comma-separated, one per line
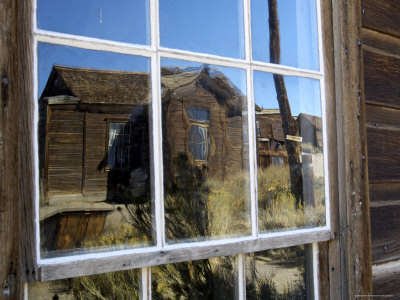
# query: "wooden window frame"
[338,257]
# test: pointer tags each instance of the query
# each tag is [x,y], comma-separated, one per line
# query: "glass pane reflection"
[93,151]
[298,32]
[122,21]
[214,278]
[116,285]
[289,152]
[205,151]
[284,273]
[208,26]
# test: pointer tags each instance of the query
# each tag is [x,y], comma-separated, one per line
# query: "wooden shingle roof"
[98,86]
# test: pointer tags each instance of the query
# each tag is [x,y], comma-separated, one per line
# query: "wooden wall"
[76,147]
[226,154]
[381,55]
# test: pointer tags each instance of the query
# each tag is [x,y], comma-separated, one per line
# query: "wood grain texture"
[380,43]
[329,258]
[152,257]
[323,271]
[381,16]
[385,229]
[16,173]
[384,191]
[384,157]
[382,79]
[355,244]
[387,286]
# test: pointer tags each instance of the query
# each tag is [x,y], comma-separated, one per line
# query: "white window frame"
[161,253]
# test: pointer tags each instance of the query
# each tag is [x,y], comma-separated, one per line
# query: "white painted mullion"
[157,128]
[153,24]
[315,264]
[251,124]
[285,70]
[247,29]
[202,57]
[328,203]
[145,287]
[252,153]
[92,43]
[241,267]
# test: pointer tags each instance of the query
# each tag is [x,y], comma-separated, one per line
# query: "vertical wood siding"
[381,52]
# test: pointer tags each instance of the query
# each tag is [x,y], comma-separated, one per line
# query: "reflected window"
[199,137]
[199,142]
[119,145]
[258,129]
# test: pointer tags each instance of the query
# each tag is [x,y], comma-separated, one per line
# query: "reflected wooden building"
[94,137]
[94,141]
[271,141]
[203,122]
[92,123]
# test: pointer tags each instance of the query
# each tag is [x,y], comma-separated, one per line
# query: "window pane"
[116,285]
[297,32]
[93,151]
[291,190]
[123,21]
[205,151]
[280,274]
[214,278]
[207,26]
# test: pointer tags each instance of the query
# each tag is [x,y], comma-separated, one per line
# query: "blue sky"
[298,32]
[121,20]
[303,93]
[208,26]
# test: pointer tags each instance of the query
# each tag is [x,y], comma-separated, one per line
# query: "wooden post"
[16,159]
[354,222]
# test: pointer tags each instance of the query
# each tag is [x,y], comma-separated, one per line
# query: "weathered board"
[385,229]
[382,79]
[381,16]
[381,44]
[384,159]
[387,287]
[384,191]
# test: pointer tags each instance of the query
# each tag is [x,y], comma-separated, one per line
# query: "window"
[199,137]
[119,145]
[213,135]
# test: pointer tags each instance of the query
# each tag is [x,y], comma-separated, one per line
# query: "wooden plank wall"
[65,151]
[381,55]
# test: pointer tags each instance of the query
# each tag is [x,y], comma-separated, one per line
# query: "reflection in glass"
[116,285]
[122,21]
[289,152]
[296,32]
[205,151]
[207,26]
[214,278]
[93,151]
[279,274]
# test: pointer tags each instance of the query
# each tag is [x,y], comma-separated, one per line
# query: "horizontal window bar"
[125,48]
[83,265]
[92,43]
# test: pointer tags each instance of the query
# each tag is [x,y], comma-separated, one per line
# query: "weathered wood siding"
[95,180]
[65,151]
[381,53]
[225,156]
